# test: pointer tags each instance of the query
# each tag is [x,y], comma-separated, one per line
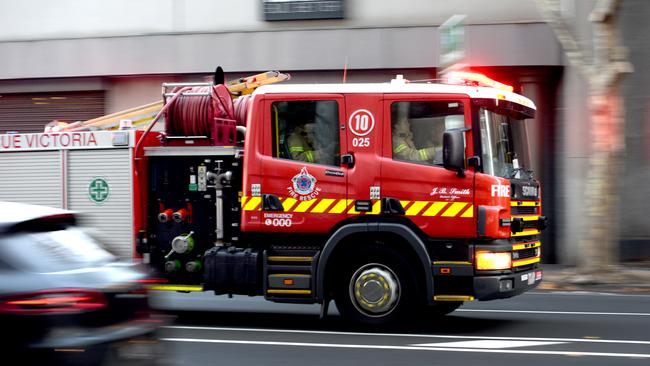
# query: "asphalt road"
[537,328]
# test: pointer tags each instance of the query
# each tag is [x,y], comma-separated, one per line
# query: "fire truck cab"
[383,197]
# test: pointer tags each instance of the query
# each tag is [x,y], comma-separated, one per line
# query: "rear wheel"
[376,287]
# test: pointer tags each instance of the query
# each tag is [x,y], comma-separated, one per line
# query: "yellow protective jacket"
[404,149]
[300,148]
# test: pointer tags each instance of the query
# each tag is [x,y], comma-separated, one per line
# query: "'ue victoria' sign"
[62,140]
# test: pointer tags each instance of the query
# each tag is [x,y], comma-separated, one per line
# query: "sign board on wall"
[302,9]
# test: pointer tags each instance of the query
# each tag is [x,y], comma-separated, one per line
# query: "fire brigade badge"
[303,186]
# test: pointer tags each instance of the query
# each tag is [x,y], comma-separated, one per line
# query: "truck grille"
[524,210]
[525,253]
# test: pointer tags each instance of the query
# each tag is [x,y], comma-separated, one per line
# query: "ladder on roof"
[142,115]
[236,87]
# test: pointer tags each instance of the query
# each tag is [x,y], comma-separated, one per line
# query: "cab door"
[302,185]
[364,134]
[437,200]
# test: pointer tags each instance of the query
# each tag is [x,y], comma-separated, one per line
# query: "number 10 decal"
[361,123]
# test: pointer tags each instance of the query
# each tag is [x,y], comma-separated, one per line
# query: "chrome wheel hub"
[374,290]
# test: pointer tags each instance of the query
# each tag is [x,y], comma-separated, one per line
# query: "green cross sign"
[98,190]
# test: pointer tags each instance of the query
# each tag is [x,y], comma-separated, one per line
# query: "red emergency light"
[475,79]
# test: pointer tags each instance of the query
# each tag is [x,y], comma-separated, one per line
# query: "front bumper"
[504,286]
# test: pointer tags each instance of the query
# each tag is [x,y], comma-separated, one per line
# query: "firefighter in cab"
[305,145]
[404,147]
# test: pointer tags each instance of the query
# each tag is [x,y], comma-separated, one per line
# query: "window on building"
[418,127]
[306,130]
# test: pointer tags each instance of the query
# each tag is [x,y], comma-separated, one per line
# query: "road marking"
[549,312]
[488,344]
[583,293]
[436,336]
[407,348]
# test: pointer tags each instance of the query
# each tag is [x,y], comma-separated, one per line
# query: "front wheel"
[378,289]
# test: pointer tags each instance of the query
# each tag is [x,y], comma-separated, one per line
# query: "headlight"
[493,260]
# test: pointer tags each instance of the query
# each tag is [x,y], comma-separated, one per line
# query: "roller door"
[99,186]
[30,112]
[31,177]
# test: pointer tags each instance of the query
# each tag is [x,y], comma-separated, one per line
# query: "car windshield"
[504,145]
[52,251]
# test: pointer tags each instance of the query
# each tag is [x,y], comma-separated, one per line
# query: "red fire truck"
[387,198]
[383,197]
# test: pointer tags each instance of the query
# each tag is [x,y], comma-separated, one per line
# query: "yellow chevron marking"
[288,203]
[340,206]
[469,212]
[376,208]
[524,203]
[454,209]
[526,245]
[353,210]
[304,205]
[323,205]
[434,209]
[416,207]
[252,203]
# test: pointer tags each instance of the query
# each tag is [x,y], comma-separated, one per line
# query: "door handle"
[348,160]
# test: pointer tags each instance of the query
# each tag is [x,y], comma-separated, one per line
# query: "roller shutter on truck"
[31,177]
[87,172]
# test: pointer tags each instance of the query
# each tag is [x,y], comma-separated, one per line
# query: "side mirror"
[453,151]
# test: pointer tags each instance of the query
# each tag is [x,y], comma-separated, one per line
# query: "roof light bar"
[476,79]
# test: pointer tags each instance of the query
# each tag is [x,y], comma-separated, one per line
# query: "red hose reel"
[202,111]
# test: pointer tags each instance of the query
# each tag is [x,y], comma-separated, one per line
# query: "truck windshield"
[504,145]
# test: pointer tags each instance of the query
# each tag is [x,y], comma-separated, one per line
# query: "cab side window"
[417,129]
[306,130]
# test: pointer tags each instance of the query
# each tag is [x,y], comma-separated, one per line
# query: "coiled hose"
[194,115]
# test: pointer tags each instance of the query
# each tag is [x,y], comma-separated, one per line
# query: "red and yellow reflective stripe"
[323,205]
[415,208]
[344,206]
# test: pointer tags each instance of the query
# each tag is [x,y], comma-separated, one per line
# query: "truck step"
[288,274]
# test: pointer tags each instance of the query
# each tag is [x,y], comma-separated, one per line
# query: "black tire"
[367,271]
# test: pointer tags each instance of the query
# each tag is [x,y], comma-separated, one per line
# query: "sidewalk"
[631,279]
